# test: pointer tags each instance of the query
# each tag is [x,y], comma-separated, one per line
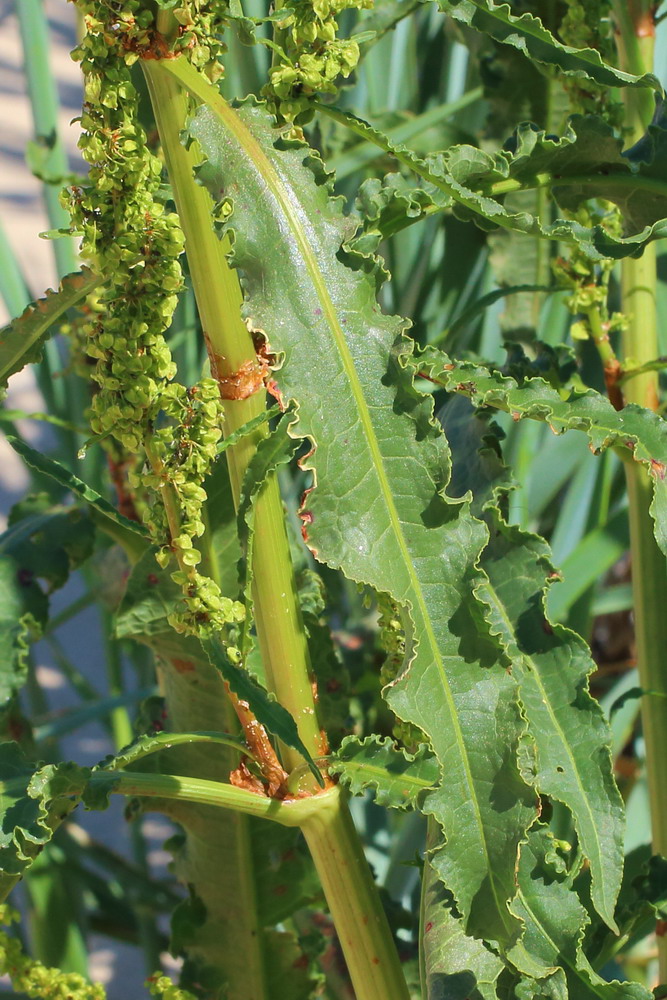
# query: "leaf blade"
[22,339]
[527,33]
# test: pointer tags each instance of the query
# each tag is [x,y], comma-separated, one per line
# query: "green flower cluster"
[134,242]
[32,978]
[311,57]
[588,280]
[162,986]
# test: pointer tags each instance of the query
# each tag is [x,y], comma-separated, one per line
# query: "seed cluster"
[131,239]
[311,56]
[33,979]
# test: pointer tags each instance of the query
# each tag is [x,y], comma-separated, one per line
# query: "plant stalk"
[636,39]
[349,888]
[280,632]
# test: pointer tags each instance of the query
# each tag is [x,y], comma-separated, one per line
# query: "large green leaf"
[42,542]
[527,33]
[21,340]
[455,965]
[639,432]
[378,510]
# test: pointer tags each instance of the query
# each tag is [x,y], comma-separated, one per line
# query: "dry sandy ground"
[22,214]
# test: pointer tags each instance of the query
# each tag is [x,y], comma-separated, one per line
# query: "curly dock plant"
[310,404]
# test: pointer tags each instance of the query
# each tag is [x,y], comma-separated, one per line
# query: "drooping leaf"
[35,799]
[42,542]
[21,340]
[396,778]
[54,470]
[570,757]
[455,966]
[641,902]
[354,400]
[527,33]
[268,712]
[641,433]
[475,182]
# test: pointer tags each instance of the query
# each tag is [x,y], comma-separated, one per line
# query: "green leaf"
[589,162]
[356,399]
[21,340]
[474,183]
[157,742]
[34,800]
[632,694]
[358,156]
[397,779]
[569,755]
[527,33]
[455,966]
[268,712]
[571,762]
[555,923]
[639,432]
[54,470]
[285,877]
[42,542]
[258,421]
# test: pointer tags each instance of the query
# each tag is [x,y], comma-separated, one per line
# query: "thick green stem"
[360,921]
[635,39]
[200,790]
[280,632]
[649,567]
[332,839]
